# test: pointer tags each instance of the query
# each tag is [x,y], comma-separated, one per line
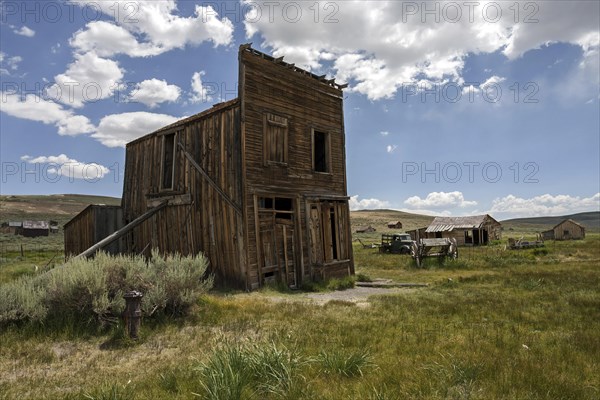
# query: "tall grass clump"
[262,370]
[90,291]
[345,364]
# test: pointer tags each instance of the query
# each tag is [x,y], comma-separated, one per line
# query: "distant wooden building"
[365,229]
[90,226]
[566,230]
[34,228]
[11,227]
[470,231]
[54,228]
[394,225]
[257,183]
[416,234]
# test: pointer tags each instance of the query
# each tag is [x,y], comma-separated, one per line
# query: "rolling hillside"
[63,207]
[591,220]
[378,219]
[57,207]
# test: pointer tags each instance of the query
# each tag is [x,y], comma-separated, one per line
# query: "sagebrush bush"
[91,290]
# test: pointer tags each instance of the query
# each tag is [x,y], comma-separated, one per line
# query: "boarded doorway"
[329,239]
[277,234]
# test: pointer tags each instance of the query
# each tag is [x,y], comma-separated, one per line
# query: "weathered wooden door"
[328,232]
[277,238]
[285,237]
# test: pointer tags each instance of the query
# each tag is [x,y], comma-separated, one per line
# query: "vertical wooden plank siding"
[272,92]
[202,221]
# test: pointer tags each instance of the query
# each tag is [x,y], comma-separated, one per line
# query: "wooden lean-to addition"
[258,183]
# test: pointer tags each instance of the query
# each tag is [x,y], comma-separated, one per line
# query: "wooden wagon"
[518,244]
[439,247]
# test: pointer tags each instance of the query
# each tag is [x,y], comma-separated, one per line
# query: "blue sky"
[453,108]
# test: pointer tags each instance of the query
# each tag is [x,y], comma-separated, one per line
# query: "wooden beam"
[212,183]
[121,232]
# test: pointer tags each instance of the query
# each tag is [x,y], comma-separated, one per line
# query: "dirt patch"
[358,295]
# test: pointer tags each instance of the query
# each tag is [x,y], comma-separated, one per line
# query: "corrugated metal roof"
[35,225]
[15,224]
[447,224]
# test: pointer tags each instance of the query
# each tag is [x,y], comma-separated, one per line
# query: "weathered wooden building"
[257,183]
[91,225]
[11,227]
[468,231]
[418,233]
[394,225]
[365,229]
[34,229]
[565,230]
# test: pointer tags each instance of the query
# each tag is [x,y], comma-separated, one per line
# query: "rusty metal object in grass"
[133,313]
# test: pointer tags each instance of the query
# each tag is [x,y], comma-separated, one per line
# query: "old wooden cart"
[440,248]
[520,243]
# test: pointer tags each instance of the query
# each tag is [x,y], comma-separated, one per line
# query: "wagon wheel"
[414,252]
[453,251]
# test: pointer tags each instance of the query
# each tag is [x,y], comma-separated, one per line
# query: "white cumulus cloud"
[25,31]
[9,64]
[440,200]
[117,130]
[399,43]
[64,166]
[200,93]
[145,28]
[152,92]
[88,78]
[35,108]
[367,204]
[546,204]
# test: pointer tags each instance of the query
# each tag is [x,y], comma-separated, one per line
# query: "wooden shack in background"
[90,226]
[394,225]
[34,229]
[11,227]
[468,231]
[419,233]
[257,183]
[365,229]
[565,230]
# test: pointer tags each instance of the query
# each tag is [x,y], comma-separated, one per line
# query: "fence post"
[132,313]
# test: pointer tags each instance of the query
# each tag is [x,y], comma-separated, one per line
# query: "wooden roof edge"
[568,220]
[445,220]
[89,206]
[279,60]
[209,111]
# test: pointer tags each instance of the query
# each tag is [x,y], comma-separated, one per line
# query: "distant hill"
[57,207]
[379,219]
[63,207]
[591,220]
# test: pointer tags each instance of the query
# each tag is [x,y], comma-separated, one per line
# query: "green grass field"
[494,324]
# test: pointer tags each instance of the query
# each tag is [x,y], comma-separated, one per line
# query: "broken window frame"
[276,121]
[164,137]
[468,237]
[327,150]
[273,203]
